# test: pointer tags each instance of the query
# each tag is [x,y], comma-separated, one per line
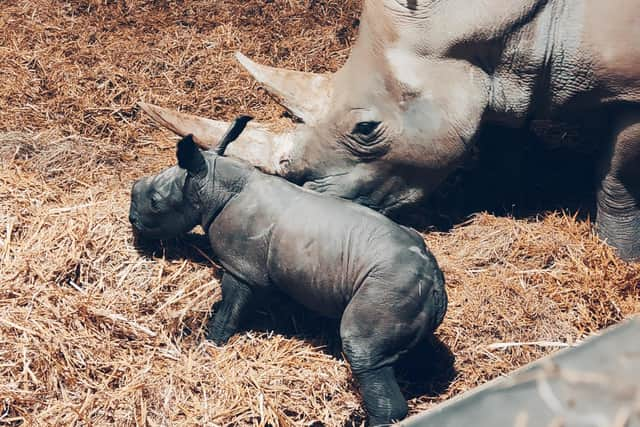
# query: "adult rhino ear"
[190,157]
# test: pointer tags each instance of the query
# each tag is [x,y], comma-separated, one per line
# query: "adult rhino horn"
[254,145]
[305,95]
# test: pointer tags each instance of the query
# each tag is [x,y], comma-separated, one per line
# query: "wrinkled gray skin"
[425,75]
[335,257]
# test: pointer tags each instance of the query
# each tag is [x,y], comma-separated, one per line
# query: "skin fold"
[335,257]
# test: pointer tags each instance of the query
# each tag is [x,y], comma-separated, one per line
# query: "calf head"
[159,208]
[179,198]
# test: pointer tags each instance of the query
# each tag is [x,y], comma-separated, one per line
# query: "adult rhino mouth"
[323,184]
[385,198]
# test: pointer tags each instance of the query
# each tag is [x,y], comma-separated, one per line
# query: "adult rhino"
[425,75]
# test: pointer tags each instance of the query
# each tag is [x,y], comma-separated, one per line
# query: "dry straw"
[95,332]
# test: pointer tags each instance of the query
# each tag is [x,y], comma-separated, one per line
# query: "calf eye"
[365,128]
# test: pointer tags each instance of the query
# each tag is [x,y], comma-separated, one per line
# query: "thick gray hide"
[333,256]
[425,76]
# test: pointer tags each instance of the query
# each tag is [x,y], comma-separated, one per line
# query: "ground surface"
[93,331]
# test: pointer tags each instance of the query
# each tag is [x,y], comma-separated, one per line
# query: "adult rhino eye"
[365,128]
[367,140]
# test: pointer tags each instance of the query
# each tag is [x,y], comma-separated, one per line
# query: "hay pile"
[92,331]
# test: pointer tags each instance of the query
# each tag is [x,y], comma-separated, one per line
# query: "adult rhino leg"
[618,217]
[236,296]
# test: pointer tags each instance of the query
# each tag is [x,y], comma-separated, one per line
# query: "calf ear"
[190,157]
[233,132]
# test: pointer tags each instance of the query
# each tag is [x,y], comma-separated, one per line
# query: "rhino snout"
[283,168]
[283,157]
[134,219]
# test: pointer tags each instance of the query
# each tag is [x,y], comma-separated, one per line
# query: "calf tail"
[437,300]
[440,299]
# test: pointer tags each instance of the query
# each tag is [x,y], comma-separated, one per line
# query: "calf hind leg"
[373,370]
[618,220]
[381,395]
[381,323]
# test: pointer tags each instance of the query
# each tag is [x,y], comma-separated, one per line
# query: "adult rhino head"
[382,131]
[375,132]
[423,75]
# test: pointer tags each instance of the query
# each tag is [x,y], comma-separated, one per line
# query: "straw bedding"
[94,331]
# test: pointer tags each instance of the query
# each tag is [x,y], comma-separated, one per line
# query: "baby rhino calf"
[333,256]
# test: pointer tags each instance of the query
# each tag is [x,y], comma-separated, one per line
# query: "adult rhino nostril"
[283,166]
[285,163]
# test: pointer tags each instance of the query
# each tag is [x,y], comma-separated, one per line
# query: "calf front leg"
[618,218]
[236,296]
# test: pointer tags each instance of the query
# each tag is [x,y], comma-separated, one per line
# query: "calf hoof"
[627,251]
[390,416]
[217,336]
[386,421]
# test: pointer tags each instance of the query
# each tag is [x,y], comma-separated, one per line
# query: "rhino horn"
[305,95]
[254,145]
